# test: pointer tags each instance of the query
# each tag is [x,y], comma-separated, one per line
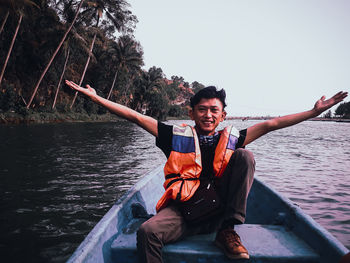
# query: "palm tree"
[11,46]
[113,83]
[4,21]
[16,7]
[54,54]
[116,14]
[98,10]
[129,55]
[85,68]
[59,83]
[146,85]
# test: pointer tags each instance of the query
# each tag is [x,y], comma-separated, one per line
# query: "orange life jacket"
[184,165]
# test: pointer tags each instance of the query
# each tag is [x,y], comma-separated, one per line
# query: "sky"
[272,57]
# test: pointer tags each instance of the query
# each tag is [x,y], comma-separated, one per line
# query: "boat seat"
[265,243]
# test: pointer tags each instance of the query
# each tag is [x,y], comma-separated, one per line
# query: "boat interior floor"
[265,243]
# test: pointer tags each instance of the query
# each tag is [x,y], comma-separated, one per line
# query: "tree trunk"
[86,66]
[110,91]
[59,83]
[126,91]
[54,55]
[11,46]
[4,22]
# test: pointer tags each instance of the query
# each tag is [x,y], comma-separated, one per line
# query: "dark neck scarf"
[209,141]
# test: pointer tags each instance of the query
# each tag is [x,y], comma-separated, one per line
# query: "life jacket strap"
[169,176]
[178,196]
[176,178]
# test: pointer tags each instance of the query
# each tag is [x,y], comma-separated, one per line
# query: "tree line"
[43,42]
[343,110]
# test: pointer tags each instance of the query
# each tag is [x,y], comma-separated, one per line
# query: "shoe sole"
[232,256]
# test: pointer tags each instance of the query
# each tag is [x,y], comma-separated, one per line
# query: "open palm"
[322,104]
[88,91]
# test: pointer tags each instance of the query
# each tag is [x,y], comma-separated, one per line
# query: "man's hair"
[208,93]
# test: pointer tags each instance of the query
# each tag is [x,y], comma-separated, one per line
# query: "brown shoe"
[229,241]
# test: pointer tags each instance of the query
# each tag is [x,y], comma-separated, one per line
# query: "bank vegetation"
[43,42]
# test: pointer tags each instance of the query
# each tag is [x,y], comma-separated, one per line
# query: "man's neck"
[200,132]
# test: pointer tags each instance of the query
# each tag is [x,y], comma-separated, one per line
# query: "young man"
[199,157]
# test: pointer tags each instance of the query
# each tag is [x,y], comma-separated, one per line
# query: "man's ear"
[223,116]
[190,113]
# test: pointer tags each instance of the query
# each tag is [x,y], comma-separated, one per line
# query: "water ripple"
[57,181]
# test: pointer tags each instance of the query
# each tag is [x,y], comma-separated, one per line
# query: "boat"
[276,230]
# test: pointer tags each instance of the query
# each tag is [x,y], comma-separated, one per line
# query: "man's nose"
[208,113]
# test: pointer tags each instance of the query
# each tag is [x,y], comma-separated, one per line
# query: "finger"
[73,85]
[70,84]
[344,94]
[340,95]
[76,86]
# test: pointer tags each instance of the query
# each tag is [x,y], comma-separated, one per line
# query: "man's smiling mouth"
[207,122]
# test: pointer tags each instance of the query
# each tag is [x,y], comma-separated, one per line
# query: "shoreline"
[13,118]
[262,118]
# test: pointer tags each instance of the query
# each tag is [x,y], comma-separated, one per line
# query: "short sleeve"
[241,138]
[165,137]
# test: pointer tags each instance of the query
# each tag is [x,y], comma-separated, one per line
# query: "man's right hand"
[88,91]
[148,123]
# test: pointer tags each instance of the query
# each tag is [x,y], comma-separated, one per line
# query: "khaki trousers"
[168,225]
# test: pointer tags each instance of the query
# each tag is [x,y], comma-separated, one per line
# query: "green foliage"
[41,31]
[91,107]
[177,111]
[343,110]
[62,108]
[158,106]
[145,85]
[173,90]
[9,99]
[196,86]
[111,14]
[328,114]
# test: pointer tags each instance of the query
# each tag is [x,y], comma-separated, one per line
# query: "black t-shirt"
[164,142]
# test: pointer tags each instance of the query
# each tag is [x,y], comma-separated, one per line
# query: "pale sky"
[272,57]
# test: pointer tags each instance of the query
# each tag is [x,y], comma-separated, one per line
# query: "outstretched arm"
[148,123]
[321,105]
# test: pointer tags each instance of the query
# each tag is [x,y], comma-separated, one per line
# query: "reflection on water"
[58,180]
[310,164]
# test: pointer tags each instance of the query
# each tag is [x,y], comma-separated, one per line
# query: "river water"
[58,180]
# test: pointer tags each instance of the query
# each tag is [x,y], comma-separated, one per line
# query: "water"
[58,180]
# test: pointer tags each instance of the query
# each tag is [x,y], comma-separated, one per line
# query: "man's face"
[207,115]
